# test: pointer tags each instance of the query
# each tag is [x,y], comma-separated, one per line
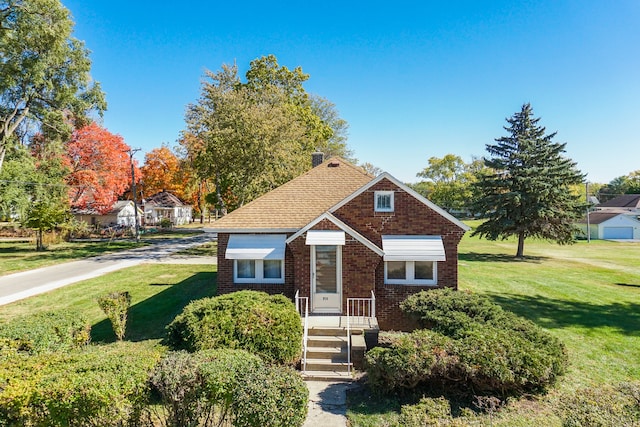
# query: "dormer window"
[383,201]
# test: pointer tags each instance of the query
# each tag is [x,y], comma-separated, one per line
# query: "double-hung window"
[412,260]
[257,258]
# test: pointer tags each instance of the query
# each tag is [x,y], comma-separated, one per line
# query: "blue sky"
[412,79]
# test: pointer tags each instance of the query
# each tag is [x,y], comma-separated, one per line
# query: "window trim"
[259,273]
[410,279]
[376,208]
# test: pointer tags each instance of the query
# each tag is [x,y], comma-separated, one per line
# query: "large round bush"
[472,343]
[266,325]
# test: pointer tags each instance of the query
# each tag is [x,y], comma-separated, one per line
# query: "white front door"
[326,278]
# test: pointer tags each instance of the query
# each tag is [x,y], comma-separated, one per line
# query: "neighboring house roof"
[298,202]
[164,199]
[115,209]
[628,201]
[599,217]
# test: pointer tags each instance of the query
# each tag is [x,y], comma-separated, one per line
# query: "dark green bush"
[477,345]
[273,396]
[94,386]
[410,360]
[45,332]
[266,325]
[604,405]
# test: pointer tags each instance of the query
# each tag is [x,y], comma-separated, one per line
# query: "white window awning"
[325,237]
[256,246]
[413,248]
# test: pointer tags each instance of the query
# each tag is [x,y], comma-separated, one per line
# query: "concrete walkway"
[327,404]
[17,286]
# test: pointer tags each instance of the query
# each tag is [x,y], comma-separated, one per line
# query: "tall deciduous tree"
[448,181]
[47,193]
[100,168]
[250,137]
[44,72]
[161,171]
[528,193]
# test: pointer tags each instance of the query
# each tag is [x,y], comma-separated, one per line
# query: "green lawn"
[587,294]
[158,293]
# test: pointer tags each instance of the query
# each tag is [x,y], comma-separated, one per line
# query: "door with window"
[326,278]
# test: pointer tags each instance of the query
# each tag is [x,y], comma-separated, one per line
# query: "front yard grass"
[587,294]
[158,293]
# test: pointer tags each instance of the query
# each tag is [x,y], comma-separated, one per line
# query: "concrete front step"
[327,365]
[326,341]
[327,332]
[326,353]
[326,376]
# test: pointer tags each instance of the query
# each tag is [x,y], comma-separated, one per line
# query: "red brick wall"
[410,217]
[225,274]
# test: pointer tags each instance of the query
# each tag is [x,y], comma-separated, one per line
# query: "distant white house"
[122,213]
[618,219]
[164,205]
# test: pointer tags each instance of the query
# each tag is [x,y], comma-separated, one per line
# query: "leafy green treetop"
[527,193]
[44,72]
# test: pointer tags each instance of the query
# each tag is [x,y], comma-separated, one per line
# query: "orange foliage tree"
[161,172]
[100,168]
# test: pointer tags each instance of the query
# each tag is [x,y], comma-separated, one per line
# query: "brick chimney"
[316,158]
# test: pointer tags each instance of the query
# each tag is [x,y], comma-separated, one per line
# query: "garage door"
[617,233]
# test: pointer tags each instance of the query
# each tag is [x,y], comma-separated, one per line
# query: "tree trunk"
[39,245]
[520,253]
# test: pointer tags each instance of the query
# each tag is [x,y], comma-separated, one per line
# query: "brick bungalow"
[336,233]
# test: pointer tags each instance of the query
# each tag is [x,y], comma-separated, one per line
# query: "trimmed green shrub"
[266,325]
[45,332]
[115,305]
[273,396]
[95,386]
[477,345]
[604,405]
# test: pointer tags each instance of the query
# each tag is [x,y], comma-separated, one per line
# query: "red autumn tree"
[100,168]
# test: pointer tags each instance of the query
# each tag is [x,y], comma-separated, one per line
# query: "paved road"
[14,287]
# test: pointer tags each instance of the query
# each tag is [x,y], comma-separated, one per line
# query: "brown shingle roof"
[624,201]
[296,203]
[599,217]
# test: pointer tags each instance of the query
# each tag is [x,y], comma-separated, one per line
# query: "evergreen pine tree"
[527,193]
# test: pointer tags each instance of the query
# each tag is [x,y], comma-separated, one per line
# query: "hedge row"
[94,386]
[472,343]
[45,332]
[130,384]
